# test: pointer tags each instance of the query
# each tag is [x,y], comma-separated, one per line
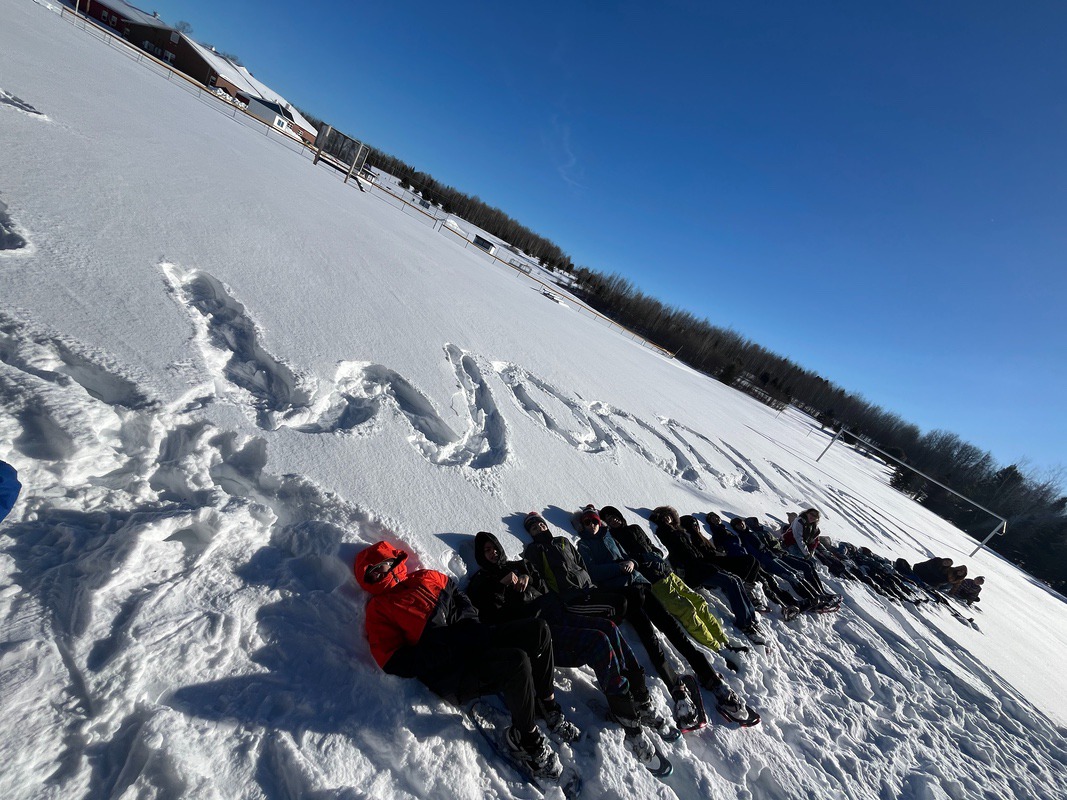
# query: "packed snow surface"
[223,372]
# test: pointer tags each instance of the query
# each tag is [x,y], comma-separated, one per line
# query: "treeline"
[449,199]
[1034,505]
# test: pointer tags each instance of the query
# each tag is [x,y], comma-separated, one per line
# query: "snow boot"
[655,719]
[759,599]
[533,752]
[686,713]
[755,633]
[638,743]
[733,708]
[558,725]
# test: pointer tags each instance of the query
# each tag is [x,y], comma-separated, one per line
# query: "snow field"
[216,392]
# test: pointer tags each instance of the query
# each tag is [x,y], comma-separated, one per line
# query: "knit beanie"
[531,518]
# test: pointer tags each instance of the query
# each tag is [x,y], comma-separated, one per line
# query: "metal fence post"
[836,437]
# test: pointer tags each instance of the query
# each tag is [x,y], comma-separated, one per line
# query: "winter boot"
[759,599]
[712,682]
[624,710]
[655,719]
[829,602]
[533,752]
[729,703]
[637,742]
[755,633]
[638,687]
[558,725]
[686,714]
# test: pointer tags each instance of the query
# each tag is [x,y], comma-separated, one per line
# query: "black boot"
[624,710]
[638,687]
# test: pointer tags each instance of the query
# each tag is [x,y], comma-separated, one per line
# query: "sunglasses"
[378,571]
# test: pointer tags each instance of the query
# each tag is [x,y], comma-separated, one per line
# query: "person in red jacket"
[422,626]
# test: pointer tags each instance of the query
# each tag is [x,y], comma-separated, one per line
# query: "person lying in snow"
[845,560]
[421,626]
[968,589]
[797,572]
[938,573]
[690,568]
[956,576]
[610,565]
[730,553]
[566,574]
[507,591]
[801,536]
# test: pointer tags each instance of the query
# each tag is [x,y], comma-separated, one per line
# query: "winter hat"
[589,514]
[531,518]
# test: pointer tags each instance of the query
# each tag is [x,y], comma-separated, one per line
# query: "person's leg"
[532,636]
[807,569]
[777,566]
[623,652]
[744,567]
[691,610]
[599,603]
[635,615]
[505,671]
[676,635]
[734,591]
[576,647]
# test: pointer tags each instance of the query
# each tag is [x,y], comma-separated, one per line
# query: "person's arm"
[600,570]
[387,639]
[487,595]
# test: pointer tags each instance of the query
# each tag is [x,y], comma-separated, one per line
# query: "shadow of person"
[317,674]
[463,561]
[560,518]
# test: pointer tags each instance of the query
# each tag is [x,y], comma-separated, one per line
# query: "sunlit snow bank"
[223,372]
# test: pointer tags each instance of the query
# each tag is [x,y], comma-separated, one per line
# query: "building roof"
[133,14]
[245,83]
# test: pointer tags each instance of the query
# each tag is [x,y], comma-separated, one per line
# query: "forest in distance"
[1034,504]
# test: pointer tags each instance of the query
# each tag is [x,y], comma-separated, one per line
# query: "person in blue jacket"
[9,488]
[611,568]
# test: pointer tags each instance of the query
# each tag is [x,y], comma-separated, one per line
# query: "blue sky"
[876,191]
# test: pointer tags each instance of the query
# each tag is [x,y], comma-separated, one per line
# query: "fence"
[177,78]
[319,156]
[1002,525]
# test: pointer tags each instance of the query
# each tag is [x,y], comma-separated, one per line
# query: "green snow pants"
[690,609]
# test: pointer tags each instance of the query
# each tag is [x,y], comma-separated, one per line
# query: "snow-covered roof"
[245,82]
[133,14]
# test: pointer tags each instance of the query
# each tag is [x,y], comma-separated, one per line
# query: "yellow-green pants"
[690,609]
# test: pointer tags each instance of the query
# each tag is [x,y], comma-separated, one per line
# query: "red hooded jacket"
[403,607]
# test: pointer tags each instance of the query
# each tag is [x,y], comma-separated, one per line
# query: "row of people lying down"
[560,605]
[896,579]
[942,575]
